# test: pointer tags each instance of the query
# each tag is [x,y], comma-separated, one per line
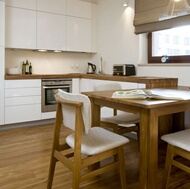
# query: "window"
[174,43]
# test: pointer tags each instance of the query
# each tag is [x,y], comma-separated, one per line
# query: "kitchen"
[119,46]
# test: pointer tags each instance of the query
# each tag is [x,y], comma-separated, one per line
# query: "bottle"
[30,68]
[23,67]
[27,67]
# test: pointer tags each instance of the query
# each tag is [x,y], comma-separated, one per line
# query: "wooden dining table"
[149,110]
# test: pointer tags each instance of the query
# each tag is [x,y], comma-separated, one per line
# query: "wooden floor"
[25,155]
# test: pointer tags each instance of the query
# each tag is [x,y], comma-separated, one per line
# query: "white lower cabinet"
[22,101]
[88,85]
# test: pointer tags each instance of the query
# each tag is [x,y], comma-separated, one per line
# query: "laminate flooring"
[24,163]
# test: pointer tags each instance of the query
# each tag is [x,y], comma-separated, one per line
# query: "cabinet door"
[51,31]
[78,34]
[22,100]
[53,6]
[94,22]
[79,8]
[2,23]
[27,4]
[22,113]
[24,83]
[75,85]
[20,28]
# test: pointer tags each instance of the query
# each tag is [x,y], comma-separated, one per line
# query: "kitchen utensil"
[91,68]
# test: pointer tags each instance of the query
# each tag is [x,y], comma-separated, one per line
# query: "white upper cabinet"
[53,6]
[26,4]
[67,25]
[51,31]
[79,8]
[2,23]
[78,34]
[94,32]
[20,28]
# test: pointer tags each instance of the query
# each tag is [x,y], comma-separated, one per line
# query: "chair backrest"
[107,87]
[69,114]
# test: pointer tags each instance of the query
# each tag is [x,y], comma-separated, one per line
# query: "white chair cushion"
[179,139]
[124,118]
[98,140]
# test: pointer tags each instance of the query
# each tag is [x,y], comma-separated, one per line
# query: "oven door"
[48,96]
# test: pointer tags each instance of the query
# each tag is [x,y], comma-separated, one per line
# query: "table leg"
[143,148]
[153,150]
[148,149]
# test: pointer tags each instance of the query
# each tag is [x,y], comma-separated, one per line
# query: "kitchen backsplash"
[49,62]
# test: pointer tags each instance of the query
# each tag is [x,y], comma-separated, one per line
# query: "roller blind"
[153,15]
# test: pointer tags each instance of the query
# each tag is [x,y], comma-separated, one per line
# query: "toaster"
[124,69]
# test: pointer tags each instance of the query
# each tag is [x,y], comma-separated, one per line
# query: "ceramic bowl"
[13,71]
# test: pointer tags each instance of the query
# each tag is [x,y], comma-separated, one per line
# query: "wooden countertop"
[150,82]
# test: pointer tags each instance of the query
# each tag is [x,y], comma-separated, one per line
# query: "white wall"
[117,43]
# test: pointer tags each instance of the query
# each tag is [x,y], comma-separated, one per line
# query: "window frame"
[157,59]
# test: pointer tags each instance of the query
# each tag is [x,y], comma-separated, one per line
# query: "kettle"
[91,68]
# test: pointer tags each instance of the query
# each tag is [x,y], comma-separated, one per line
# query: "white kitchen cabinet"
[51,31]
[78,34]
[26,4]
[20,28]
[79,8]
[52,6]
[22,101]
[2,59]
[76,85]
[94,28]
[67,25]
[87,85]
[2,71]
[2,23]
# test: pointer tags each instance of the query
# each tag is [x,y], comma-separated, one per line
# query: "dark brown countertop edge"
[136,79]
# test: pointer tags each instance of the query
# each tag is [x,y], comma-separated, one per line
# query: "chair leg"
[76,178]
[122,167]
[51,172]
[168,163]
[76,170]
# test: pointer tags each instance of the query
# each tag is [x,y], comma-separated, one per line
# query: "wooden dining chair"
[87,145]
[178,145]
[122,122]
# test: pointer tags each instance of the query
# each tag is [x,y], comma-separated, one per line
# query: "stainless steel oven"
[49,89]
